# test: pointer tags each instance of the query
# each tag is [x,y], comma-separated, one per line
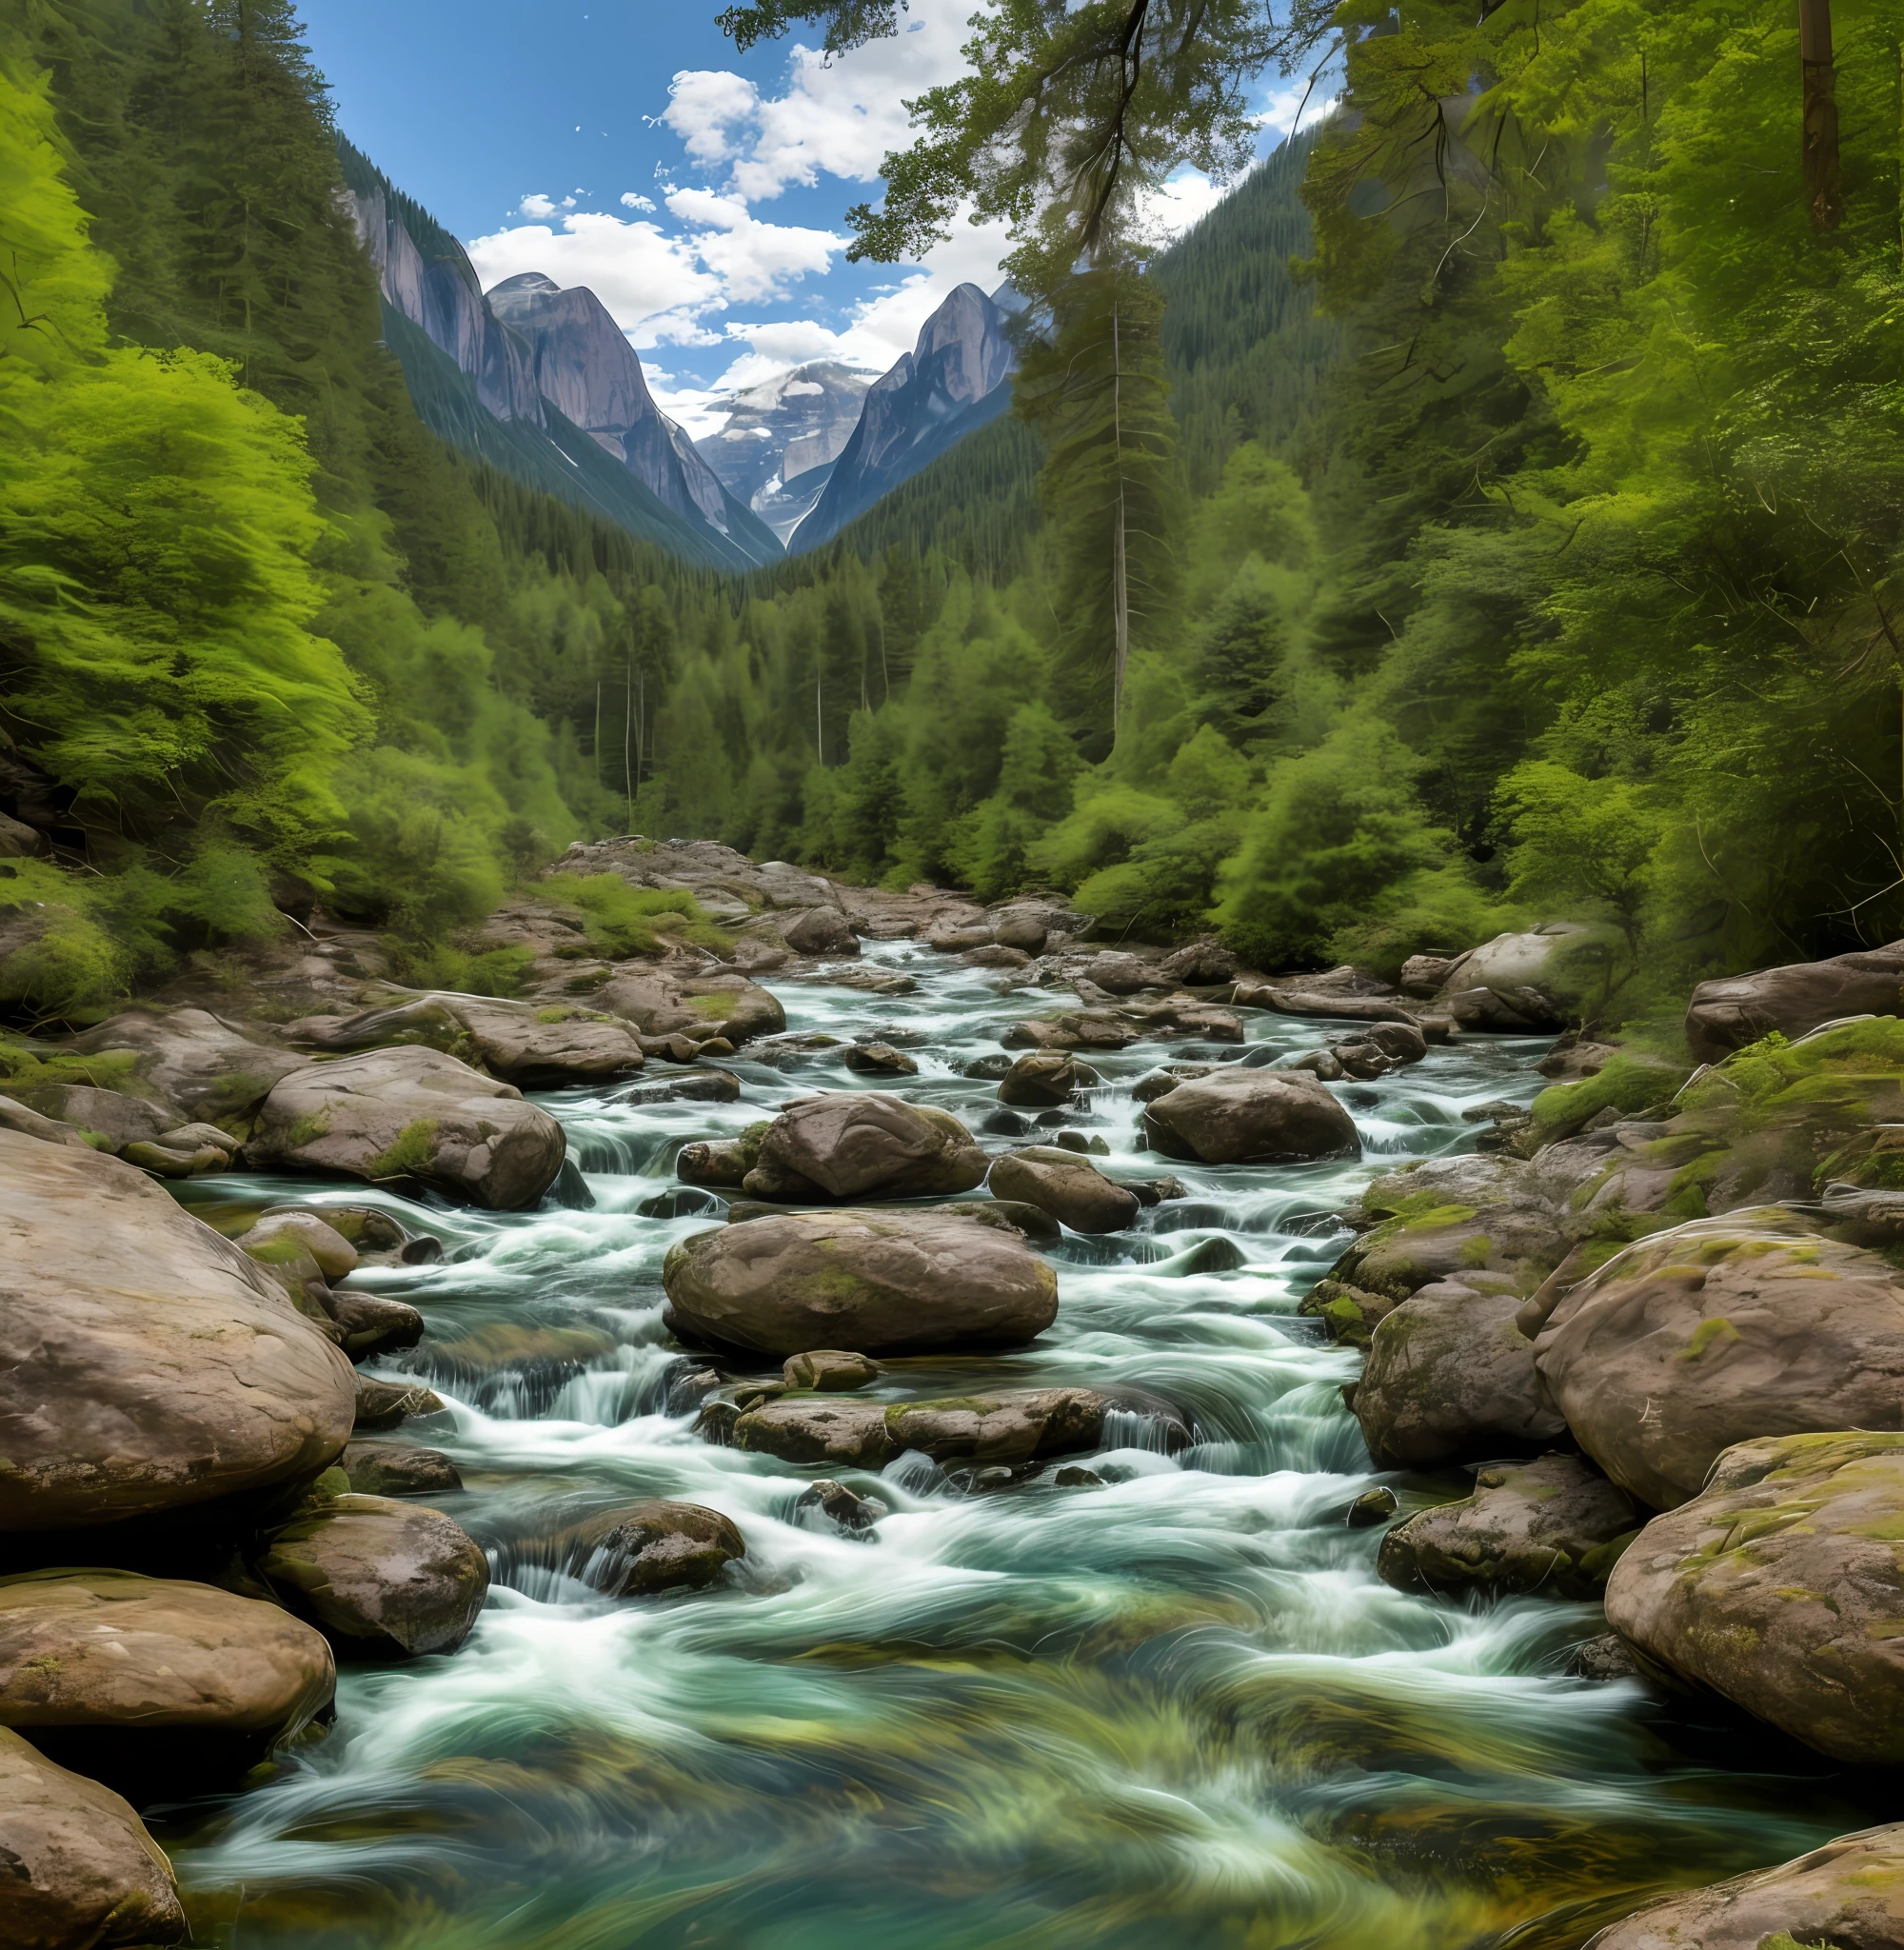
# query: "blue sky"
[627,147]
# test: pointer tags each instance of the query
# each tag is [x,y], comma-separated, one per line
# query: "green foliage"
[624,920]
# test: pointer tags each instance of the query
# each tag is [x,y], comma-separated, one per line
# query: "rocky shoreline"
[1660,1318]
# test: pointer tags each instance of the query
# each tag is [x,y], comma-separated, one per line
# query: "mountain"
[779,440]
[541,383]
[954,380]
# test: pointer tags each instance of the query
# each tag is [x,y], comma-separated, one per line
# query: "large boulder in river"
[639,1550]
[1848,1894]
[535,1049]
[81,1872]
[1515,981]
[1717,1332]
[1041,1078]
[1007,1428]
[1069,1188]
[1555,1524]
[191,1059]
[145,1364]
[1444,1217]
[106,1662]
[858,1142]
[700,1008]
[1450,1378]
[1783,1587]
[1245,1117]
[379,1579]
[1727,1014]
[411,1113]
[864,1281]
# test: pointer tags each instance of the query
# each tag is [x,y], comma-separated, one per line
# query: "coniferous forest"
[1523,543]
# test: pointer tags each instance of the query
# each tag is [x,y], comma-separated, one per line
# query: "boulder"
[1727,1014]
[872,1283]
[852,1143]
[829,1368]
[548,1048]
[19,841]
[1119,973]
[1084,1029]
[1849,1895]
[16,1117]
[1041,1078]
[635,1550]
[379,1579]
[1061,1183]
[334,1255]
[411,1113]
[1199,965]
[843,1508]
[1513,981]
[1555,1524]
[145,1364]
[81,1872]
[113,1115]
[1717,1332]
[1241,1117]
[197,1062]
[698,1007]
[1448,1217]
[97,1666]
[721,1160]
[994,956]
[185,1151]
[398,1469]
[1020,928]
[384,1404]
[376,1237]
[370,1324]
[1450,1378]
[1781,1585]
[880,1060]
[818,931]
[1291,998]
[1007,1428]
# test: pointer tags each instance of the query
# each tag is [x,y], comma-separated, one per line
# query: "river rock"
[1450,1378]
[829,1369]
[1240,1117]
[81,1872]
[1727,1014]
[1007,1428]
[846,1509]
[880,1060]
[873,1282]
[27,1122]
[411,1113]
[1118,972]
[384,1404]
[853,1142]
[198,1062]
[697,1007]
[1447,1217]
[372,1324]
[1848,1894]
[104,1660]
[1081,1030]
[1199,965]
[1717,1332]
[334,1254]
[145,1364]
[398,1469]
[548,1048]
[379,1579]
[635,1550]
[111,1115]
[818,931]
[1061,1183]
[374,1235]
[1555,1524]
[1041,1078]
[1781,1586]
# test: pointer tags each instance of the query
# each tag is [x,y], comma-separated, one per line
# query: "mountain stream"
[1178,1708]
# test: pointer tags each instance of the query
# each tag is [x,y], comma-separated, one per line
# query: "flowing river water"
[1179,1709]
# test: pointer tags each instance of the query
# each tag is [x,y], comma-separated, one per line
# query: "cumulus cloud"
[542,208]
[706,109]
[634,199]
[636,271]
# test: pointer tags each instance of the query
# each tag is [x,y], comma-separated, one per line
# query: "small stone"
[398,1469]
[830,1369]
[1085,1146]
[384,1404]
[880,1060]
[1372,1506]
[851,1512]
[1075,1476]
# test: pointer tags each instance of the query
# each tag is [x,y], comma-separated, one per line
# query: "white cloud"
[543,207]
[1188,195]
[639,272]
[705,107]
[1285,109]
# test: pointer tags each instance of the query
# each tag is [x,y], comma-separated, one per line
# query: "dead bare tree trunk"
[1121,593]
[1824,186]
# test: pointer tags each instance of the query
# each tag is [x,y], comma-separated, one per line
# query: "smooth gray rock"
[856,1142]
[1063,1184]
[1241,1116]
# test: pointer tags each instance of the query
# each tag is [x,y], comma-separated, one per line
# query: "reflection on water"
[1177,1709]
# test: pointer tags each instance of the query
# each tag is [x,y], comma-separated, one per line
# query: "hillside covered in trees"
[1519,502]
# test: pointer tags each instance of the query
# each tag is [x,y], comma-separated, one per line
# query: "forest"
[1511,474]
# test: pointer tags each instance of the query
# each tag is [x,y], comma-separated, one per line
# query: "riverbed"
[1176,1708]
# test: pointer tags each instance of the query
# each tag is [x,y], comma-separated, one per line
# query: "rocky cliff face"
[439,291]
[791,426]
[952,381]
[544,358]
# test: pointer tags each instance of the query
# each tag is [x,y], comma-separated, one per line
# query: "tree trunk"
[1121,594]
[627,740]
[1824,193]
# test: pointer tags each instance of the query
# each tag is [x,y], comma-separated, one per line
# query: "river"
[1179,1709]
